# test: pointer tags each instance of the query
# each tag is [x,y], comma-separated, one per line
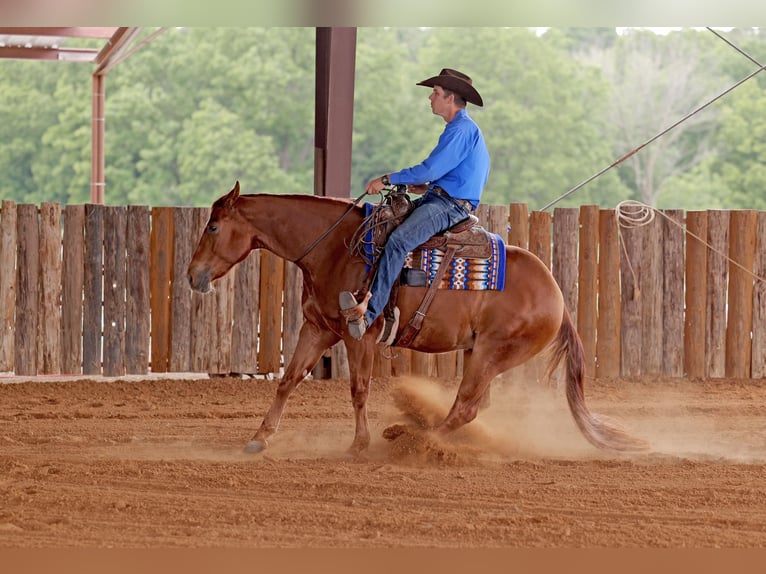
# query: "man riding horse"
[451,180]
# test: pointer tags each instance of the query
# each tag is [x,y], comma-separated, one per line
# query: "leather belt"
[464,203]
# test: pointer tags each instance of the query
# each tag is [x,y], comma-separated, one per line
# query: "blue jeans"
[432,214]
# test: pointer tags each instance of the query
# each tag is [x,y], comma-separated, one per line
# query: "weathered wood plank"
[160,281]
[8,249]
[138,305]
[587,312]
[739,326]
[115,280]
[566,231]
[518,218]
[609,320]
[717,281]
[401,362]
[93,290]
[184,242]
[72,289]
[202,318]
[272,284]
[27,290]
[220,357]
[758,369]
[695,324]
[446,366]
[247,290]
[652,281]
[540,223]
[631,300]
[293,312]
[673,293]
[49,318]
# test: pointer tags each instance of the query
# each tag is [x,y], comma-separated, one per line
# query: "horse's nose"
[198,280]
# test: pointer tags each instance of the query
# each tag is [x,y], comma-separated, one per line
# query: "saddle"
[467,238]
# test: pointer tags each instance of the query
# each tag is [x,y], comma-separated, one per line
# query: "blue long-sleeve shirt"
[459,163]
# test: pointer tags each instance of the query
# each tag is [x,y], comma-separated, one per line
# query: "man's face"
[440,103]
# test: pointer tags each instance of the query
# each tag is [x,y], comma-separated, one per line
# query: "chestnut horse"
[497,330]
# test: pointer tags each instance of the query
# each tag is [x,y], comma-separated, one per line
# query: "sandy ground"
[158,463]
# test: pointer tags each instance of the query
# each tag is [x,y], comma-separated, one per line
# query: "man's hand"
[374,186]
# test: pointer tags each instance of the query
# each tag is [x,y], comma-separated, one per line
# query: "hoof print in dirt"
[409,443]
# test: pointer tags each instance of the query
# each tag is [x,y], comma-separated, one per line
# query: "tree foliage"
[201,107]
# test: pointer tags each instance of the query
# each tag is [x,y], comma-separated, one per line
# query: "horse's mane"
[302,197]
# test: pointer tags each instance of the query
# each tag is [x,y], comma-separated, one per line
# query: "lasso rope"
[633,214]
[618,161]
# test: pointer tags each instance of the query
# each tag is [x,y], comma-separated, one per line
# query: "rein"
[333,226]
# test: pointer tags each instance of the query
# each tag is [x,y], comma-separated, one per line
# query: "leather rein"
[331,228]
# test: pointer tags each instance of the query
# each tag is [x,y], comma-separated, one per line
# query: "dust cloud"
[530,420]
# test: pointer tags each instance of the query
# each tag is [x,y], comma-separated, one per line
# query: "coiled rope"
[633,214]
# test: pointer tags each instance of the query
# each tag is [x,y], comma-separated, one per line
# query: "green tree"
[393,126]
[543,117]
[61,168]
[658,80]
[26,112]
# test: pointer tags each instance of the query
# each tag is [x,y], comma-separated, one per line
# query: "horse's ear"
[231,198]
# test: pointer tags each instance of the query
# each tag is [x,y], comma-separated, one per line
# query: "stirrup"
[390,328]
[358,326]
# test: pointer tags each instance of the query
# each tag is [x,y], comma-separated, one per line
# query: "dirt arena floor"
[158,463]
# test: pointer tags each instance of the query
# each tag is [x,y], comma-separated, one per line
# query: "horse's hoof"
[394,431]
[255,446]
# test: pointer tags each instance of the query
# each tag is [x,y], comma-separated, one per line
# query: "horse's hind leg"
[311,344]
[484,363]
[485,399]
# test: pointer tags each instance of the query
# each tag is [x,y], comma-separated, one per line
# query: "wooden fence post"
[758,369]
[72,289]
[740,302]
[184,241]
[651,285]
[93,293]
[115,284]
[137,309]
[272,285]
[587,279]
[695,363]
[673,293]
[717,281]
[566,226]
[8,248]
[160,280]
[609,321]
[247,297]
[27,290]
[631,300]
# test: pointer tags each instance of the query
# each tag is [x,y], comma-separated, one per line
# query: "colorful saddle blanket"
[468,274]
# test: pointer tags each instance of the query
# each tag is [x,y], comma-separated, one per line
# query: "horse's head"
[224,243]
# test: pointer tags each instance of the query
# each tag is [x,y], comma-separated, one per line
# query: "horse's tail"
[595,428]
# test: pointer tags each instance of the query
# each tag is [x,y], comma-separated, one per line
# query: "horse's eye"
[212,228]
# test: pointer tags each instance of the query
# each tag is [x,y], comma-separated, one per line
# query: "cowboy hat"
[457,82]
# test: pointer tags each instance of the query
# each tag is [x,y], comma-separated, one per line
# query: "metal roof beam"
[49,54]
[114,48]
[71,32]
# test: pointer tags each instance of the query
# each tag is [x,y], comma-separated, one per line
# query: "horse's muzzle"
[199,281]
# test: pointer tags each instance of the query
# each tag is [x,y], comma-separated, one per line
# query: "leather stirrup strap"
[411,329]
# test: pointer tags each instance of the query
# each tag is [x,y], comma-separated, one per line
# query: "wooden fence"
[91,289]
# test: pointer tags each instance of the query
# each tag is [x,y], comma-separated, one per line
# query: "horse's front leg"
[360,358]
[312,342]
